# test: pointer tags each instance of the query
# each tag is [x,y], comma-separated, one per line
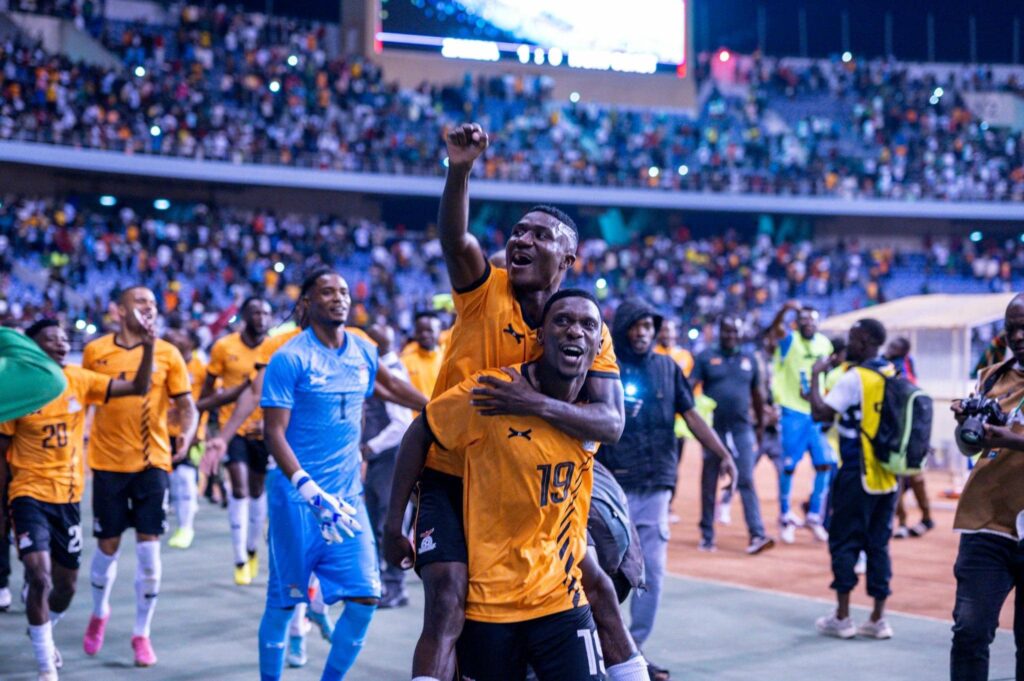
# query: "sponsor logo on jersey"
[515,334]
[512,432]
[318,379]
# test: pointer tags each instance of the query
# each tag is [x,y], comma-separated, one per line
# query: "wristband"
[301,481]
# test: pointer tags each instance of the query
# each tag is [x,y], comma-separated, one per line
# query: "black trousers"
[987,568]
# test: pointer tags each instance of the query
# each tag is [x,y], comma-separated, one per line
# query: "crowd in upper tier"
[247,89]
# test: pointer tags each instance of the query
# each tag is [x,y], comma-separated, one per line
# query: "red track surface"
[923,582]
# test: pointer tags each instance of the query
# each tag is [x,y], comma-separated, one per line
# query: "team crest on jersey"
[24,541]
[745,364]
[427,542]
[74,406]
[364,375]
[715,361]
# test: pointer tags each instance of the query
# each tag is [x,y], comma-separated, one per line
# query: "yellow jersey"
[423,366]
[489,333]
[525,504]
[130,434]
[47,446]
[681,356]
[197,374]
[234,362]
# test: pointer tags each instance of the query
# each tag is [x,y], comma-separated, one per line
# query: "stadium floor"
[205,628]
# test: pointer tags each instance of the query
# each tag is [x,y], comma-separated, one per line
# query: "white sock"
[147,585]
[42,645]
[633,669]
[103,573]
[238,516]
[184,491]
[56,617]
[297,626]
[257,517]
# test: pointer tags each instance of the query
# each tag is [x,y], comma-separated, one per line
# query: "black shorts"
[559,647]
[123,500]
[440,535]
[250,451]
[42,526]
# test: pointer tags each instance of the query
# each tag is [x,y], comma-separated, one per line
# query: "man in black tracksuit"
[646,457]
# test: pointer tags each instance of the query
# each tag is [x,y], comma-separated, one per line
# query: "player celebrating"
[795,355]
[45,478]
[525,603]
[130,454]
[233,360]
[498,314]
[313,394]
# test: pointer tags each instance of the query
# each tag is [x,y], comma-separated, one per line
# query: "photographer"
[990,562]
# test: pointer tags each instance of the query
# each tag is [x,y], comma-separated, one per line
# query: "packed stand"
[245,89]
[65,257]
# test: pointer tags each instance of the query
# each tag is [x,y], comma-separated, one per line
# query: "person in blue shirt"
[312,395]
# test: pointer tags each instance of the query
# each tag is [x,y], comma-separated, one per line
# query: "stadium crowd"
[66,257]
[241,88]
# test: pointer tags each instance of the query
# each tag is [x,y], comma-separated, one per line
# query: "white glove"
[334,515]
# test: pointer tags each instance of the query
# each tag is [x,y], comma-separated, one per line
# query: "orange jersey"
[197,374]
[681,356]
[46,453]
[525,504]
[423,366]
[234,362]
[130,434]
[490,333]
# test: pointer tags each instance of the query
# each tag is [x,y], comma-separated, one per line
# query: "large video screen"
[638,36]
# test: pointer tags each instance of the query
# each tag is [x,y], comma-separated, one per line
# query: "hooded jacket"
[647,454]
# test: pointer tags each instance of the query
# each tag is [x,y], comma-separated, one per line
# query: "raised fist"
[465,143]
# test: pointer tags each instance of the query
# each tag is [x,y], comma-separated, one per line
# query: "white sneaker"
[862,564]
[792,518]
[787,533]
[5,599]
[819,531]
[835,627]
[724,514]
[878,630]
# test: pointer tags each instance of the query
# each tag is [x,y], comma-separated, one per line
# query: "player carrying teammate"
[130,454]
[313,394]
[498,315]
[528,487]
[233,360]
[43,482]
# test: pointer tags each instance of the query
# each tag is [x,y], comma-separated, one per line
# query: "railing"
[171,168]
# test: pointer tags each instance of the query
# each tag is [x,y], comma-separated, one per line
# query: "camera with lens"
[980,410]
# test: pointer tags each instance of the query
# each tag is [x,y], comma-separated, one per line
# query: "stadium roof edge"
[181,169]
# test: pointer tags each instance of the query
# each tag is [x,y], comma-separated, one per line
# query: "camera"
[978,411]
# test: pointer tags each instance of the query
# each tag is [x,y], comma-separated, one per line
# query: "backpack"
[613,535]
[905,427]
